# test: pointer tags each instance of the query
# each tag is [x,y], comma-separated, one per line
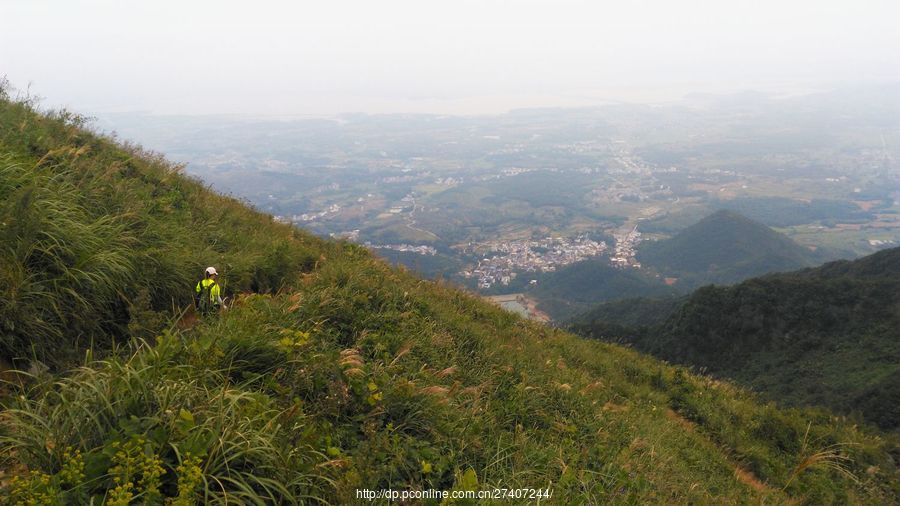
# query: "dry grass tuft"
[829,457]
[446,372]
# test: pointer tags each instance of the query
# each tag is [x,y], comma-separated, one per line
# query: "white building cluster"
[626,242]
[421,250]
[332,210]
[508,259]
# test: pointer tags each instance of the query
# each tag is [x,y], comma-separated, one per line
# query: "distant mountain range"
[825,336]
[725,248]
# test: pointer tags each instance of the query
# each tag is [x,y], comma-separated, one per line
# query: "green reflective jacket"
[215,294]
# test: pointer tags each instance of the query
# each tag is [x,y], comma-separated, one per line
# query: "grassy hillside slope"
[353,376]
[826,336]
[724,248]
[96,237]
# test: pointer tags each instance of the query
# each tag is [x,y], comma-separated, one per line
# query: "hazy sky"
[331,56]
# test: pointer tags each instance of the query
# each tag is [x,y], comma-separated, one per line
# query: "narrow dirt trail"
[187,320]
[743,475]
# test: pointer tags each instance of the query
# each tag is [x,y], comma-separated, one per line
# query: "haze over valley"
[498,203]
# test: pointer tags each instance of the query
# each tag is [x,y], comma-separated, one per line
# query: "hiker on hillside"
[209,295]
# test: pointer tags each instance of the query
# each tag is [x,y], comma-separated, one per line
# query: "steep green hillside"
[575,288]
[97,239]
[353,376]
[826,336]
[724,248]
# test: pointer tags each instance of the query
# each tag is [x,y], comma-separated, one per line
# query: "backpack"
[204,298]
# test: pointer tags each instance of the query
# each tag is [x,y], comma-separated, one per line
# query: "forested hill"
[724,248]
[825,336]
[575,288]
[332,372]
[634,312]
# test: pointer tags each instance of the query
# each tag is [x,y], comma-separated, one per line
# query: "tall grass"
[367,378]
[99,238]
[246,451]
[831,457]
[64,272]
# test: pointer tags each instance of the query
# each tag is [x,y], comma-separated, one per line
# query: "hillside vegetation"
[635,312]
[724,248]
[825,336]
[576,288]
[96,237]
[333,372]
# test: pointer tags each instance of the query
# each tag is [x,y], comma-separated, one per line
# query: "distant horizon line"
[478,106]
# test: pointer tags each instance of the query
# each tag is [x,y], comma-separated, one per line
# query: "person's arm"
[217,294]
